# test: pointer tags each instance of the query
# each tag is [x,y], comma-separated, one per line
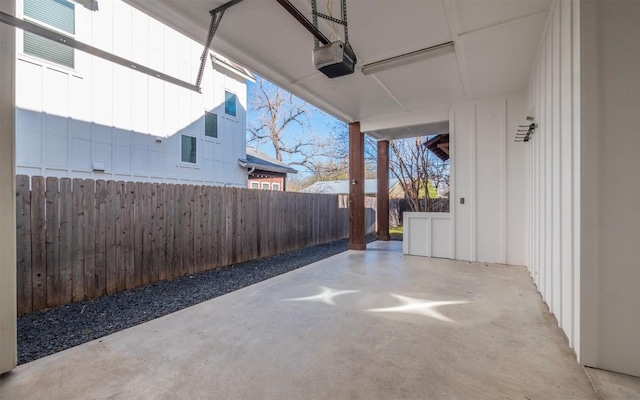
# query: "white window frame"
[198,156]
[204,127]
[252,183]
[263,184]
[224,104]
[39,60]
[273,186]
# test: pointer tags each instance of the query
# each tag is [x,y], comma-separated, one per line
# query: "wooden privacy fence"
[79,239]
[370,211]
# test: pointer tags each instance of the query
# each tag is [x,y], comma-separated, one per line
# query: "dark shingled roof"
[261,161]
[439,145]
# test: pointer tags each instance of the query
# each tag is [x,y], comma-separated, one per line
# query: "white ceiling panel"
[354,94]
[500,58]
[474,15]
[495,44]
[383,29]
[433,82]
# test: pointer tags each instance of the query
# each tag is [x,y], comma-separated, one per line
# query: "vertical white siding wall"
[610,61]
[489,173]
[67,119]
[553,160]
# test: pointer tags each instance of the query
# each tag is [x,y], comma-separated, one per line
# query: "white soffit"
[435,128]
[495,43]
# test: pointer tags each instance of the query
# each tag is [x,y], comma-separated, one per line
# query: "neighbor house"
[265,172]
[81,116]
[342,187]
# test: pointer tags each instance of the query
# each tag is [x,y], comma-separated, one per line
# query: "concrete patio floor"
[358,325]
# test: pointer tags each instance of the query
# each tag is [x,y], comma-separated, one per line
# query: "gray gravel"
[56,329]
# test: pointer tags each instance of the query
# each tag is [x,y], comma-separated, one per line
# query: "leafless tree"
[420,173]
[276,109]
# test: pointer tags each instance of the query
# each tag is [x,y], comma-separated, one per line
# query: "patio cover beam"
[8,315]
[382,213]
[356,187]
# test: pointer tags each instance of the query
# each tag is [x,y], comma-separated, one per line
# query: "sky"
[320,124]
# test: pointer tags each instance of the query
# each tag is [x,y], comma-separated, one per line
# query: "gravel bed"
[50,331]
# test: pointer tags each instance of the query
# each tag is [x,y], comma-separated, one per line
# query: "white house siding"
[68,119]
[488,172]
[610,191]
[553,170]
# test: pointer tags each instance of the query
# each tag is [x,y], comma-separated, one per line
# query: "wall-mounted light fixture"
[408,58]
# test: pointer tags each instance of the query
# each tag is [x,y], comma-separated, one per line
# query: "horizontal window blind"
[59,14]
[48,49]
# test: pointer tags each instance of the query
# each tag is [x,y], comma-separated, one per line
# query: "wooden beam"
[356,187]
[8,307]
[383,190]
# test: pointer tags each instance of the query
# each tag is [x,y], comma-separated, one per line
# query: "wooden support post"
[383,191]
[8,307]
[356,188]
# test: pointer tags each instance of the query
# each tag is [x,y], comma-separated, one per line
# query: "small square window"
[275,186]
[265,185]
[230,100]
[188,149]
[255,185]
[210,124]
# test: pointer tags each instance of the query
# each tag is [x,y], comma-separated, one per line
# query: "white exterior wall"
[553,170]
[101,112]
[610,192]
[488,172]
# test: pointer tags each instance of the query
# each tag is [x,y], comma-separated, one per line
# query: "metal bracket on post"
[216,18]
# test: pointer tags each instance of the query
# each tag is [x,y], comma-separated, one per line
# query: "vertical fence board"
[178,217]
[52,212]
[120,236]
[38,243]
[89,238]
[187,230]
[101,237]
[138,233]
[147,233]
[77,240]
[110,234]
[159,235]
[128,234]
[23,251]
[170,220]
[66,235]
[198,245]
[217,214]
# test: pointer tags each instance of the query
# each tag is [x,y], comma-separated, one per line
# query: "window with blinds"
[58,15]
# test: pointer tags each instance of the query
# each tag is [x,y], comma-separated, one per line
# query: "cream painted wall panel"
[483,158]
[464,142]
[552,257]
[490,117]
[556,166]
[566,175]
[516,185]
[29,78]
[616,139]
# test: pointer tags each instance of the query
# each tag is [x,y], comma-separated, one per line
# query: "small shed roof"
[439,145]
[261,161]
[342,186]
